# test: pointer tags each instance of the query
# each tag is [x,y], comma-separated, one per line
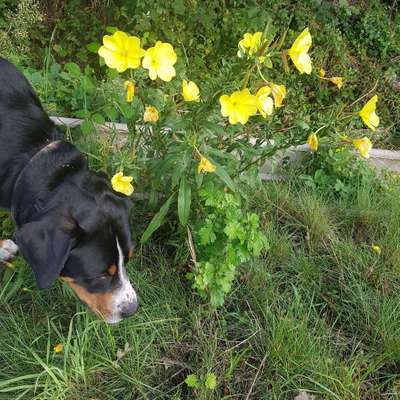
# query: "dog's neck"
[40,178]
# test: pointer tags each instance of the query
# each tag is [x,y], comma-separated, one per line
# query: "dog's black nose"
[129,309]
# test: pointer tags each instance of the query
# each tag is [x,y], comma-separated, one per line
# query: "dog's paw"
[8,250]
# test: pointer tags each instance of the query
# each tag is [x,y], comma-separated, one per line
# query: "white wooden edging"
[380,159]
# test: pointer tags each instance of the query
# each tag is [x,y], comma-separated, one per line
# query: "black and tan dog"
[69,221]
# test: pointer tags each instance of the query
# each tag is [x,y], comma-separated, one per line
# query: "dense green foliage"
[359,40]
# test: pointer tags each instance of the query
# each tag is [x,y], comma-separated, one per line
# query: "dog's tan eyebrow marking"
[112,269]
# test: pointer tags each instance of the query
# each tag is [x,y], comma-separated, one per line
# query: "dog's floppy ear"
[116,207]
[46,248]
[123,231]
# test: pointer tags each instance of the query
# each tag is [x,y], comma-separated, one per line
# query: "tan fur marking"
[130,254]
[100,303]
[112,269]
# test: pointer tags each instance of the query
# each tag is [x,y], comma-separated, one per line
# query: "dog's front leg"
[8,250]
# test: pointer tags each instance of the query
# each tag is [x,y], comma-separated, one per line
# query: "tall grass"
[318,313]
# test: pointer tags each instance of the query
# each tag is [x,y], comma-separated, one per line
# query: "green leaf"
[111,112]
[157,220]
[234,230]
[179,168]
[86,127]
[224,176]
[184,201]
[98,119]
[211,381]
[207,234]
[82,114]
[192,381]
[93,47]
[73,69]
[111,29]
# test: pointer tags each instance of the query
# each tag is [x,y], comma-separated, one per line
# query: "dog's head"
[84,238]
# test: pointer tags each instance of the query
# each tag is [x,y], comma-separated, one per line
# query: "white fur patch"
[8,250]
[125,294]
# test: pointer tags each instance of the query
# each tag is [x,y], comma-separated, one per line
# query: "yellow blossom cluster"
[122,51]
[241,105]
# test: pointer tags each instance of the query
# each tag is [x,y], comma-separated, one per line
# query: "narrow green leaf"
[224,176]
[184,201]
[157,220]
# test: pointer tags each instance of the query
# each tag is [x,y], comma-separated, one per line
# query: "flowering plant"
[185,136]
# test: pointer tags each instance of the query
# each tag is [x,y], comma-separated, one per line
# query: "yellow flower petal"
[239,106]
[298,52]
[363,146]
[205,165]
[121,51]
[58,348]
[376,249]
[150,114]
[159,60]
[322,72]
[265,103]
[122,184]
[312,141]
[337,80]
[190,91]
[368,114]
[130,91]
[250,44]
[278,93]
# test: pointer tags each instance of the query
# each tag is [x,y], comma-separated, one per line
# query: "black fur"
[67,217]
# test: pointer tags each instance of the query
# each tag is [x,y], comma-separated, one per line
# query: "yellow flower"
[239,106]
[250,44]
[363,146]
[337,80]
[160,60]
[279,93]
[190,91]
[376,249]
[322,72]
[130,91]
[121,51]
[312,141]
[265,103]
[205,165]
[150,114]
[368,114]
[58,348]
[299,52]
[122,184]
